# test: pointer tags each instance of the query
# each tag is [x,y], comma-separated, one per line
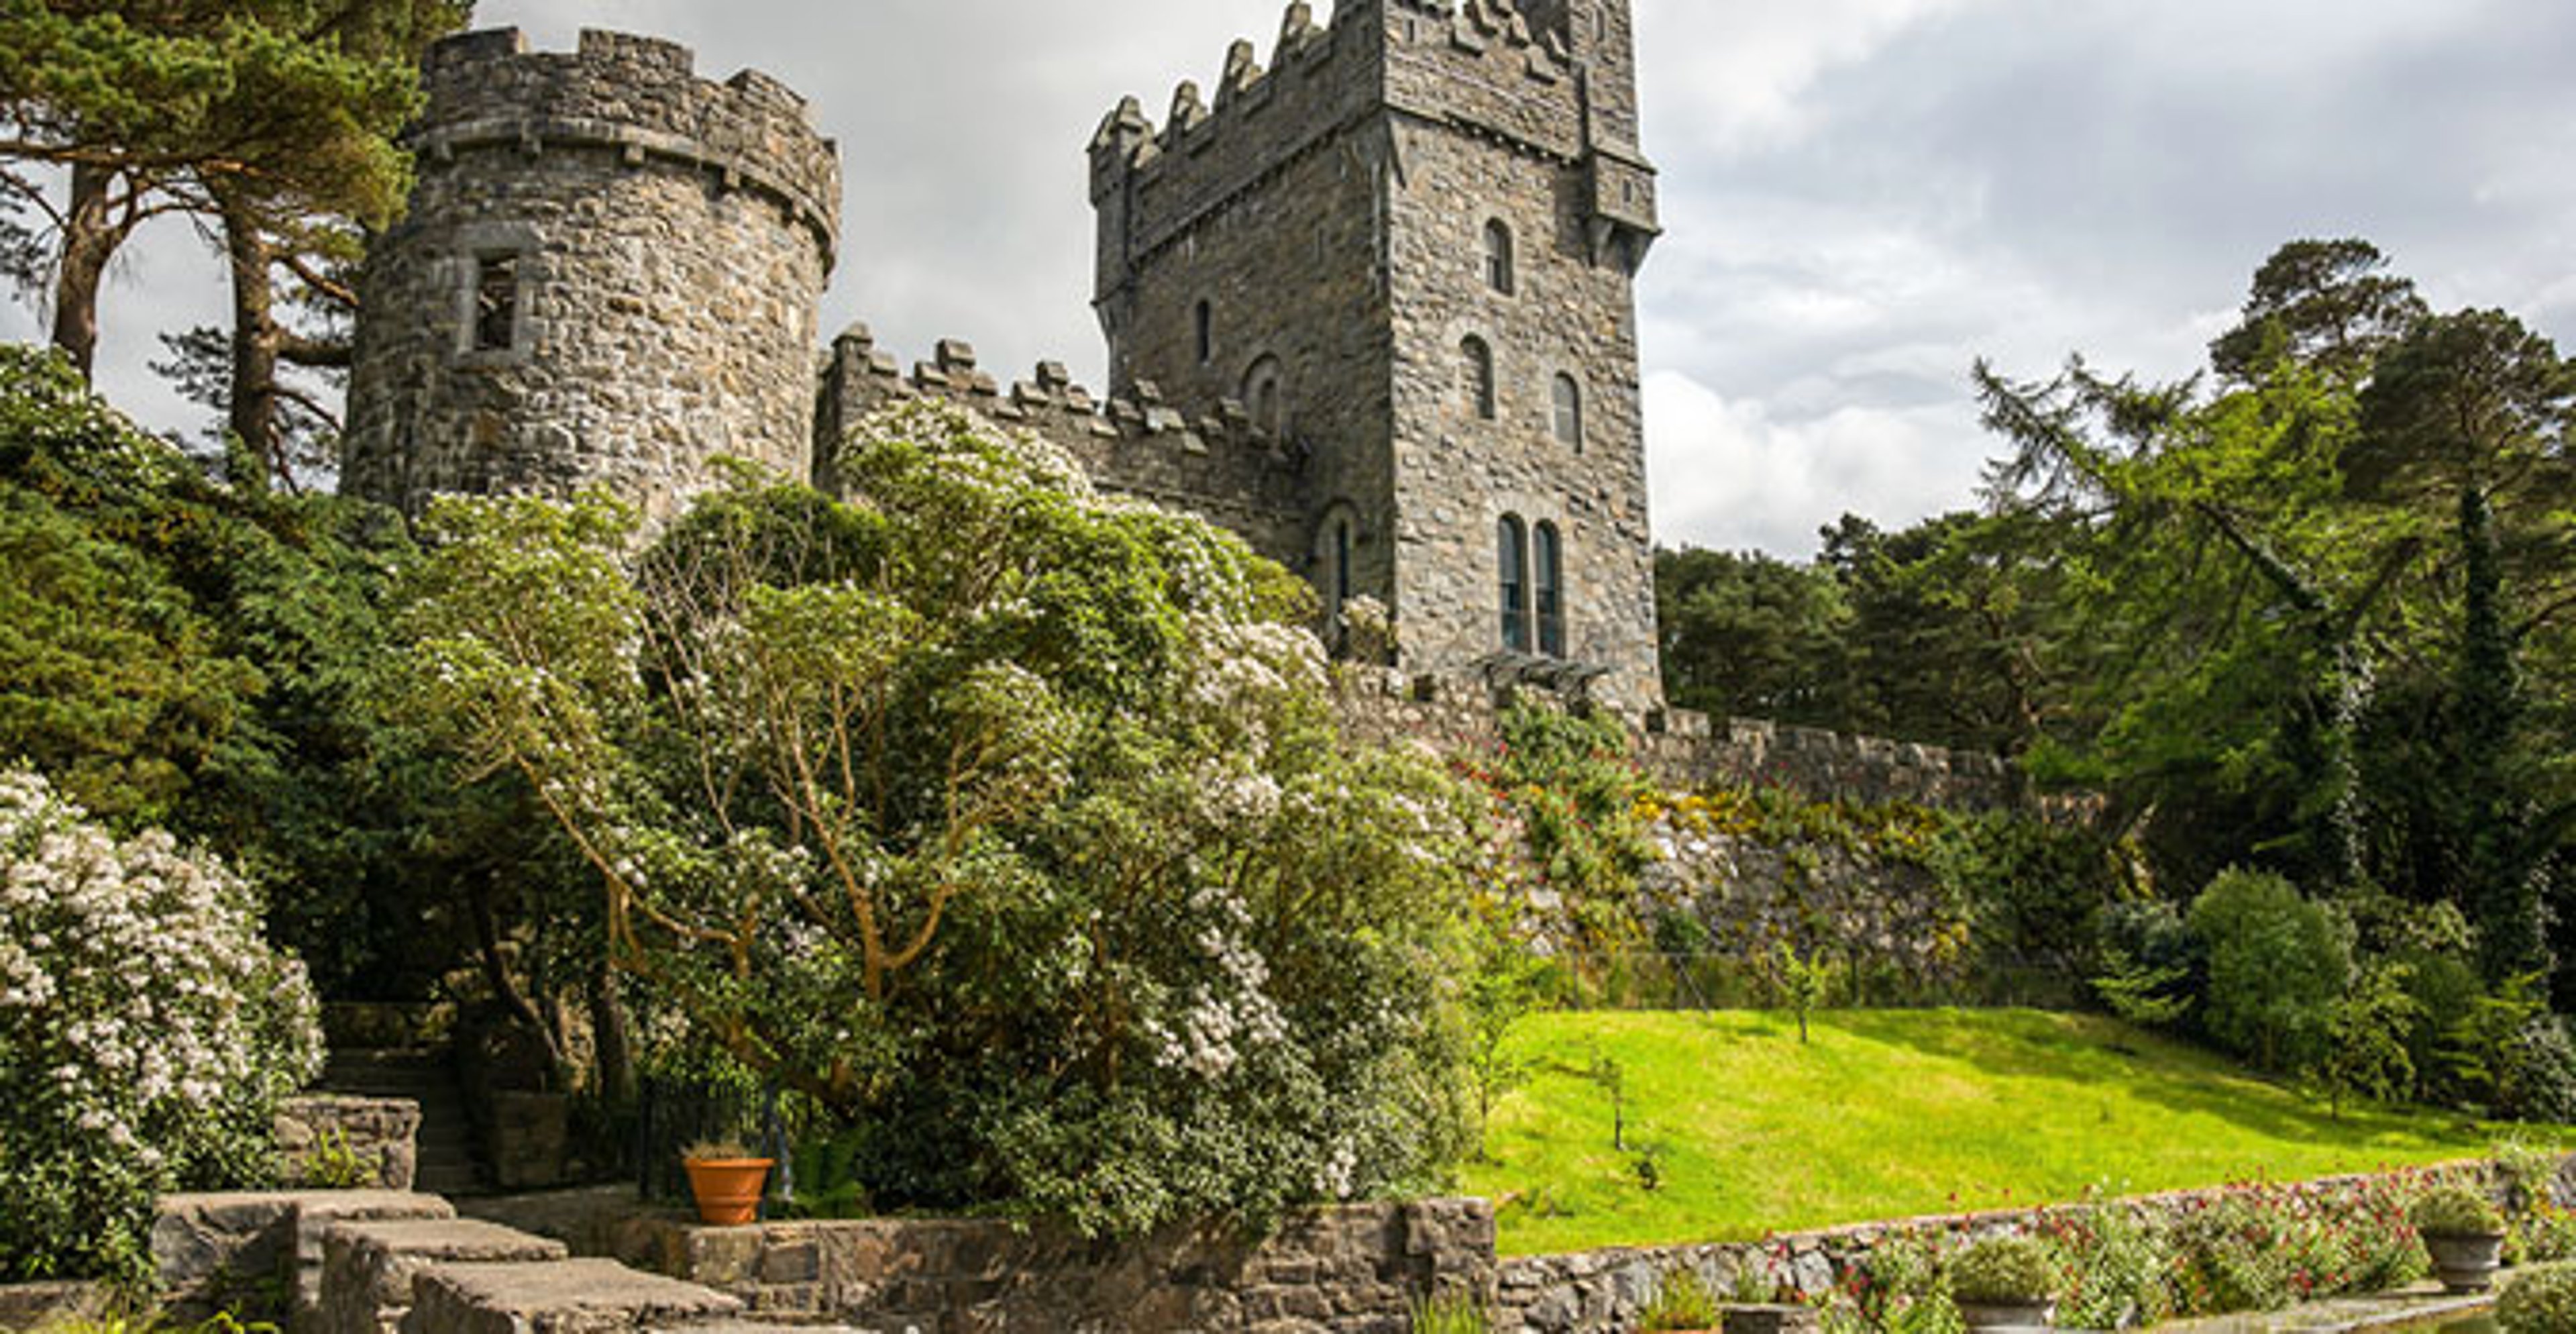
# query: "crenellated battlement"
[1523,73]
[640,98]
[1222,464]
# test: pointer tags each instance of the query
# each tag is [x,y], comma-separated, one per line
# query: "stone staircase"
[446,1163]
[389,1262]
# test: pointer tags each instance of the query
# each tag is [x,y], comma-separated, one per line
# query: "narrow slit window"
[1549,553]
[1514,580]
[1498,257]
[1203,320]
[1568,402]
[1479,364]
[496,302]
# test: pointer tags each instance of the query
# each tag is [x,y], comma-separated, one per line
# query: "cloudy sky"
[1861,196]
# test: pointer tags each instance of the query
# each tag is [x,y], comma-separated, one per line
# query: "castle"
[1370,306]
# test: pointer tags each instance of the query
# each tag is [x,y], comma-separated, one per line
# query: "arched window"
[1478,359]
[1336,568]
[1568,401]
[1498,257]
[1203,320]
[1549,551]
[1261,397]
[1514,553]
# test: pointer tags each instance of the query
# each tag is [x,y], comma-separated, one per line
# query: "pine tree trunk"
[252,402]
[91,235]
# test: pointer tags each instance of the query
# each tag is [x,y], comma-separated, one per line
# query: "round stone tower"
[608,275]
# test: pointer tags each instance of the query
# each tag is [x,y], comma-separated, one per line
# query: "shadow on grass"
[2150,1069]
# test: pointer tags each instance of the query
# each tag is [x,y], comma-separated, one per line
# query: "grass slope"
[1889,1115]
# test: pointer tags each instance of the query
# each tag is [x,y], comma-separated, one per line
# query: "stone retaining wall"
[1608,1290]
[260,1254]
[35,1305]
[1352,1270]
[1684,751]
[381,1133]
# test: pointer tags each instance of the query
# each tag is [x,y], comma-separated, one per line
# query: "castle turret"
[608,273]
[1408,246]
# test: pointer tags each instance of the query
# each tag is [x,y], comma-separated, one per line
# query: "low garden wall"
[1347,1269]
[1608,1290]
[376,1138]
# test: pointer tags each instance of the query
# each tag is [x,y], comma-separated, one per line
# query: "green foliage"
[146,1031]
[1805,982]
[2506,1053]
[2004,1271]
[2278,963]
[1449,1313]
[2365,1053]
[1001,819]
[334,1165]
[2117,1262]
[179,653]
[1578,798]
[1682,1301]
[1505,980]
[2456,1211]
[1752,636]
[2540,1302]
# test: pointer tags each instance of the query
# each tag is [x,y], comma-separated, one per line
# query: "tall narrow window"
[1478,359]
[1341,563]
[1568,401]
[1203,320]
[1549,552]
[496,302]
[1514,552]
[1261,395]
[1498,256]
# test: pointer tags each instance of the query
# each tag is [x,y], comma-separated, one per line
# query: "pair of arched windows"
[1565,394]
[1532,583]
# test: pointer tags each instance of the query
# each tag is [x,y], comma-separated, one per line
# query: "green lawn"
[1887,1115]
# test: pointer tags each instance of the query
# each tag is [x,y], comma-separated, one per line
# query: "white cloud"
[1730,474]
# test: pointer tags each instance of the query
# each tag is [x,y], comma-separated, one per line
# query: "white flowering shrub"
[1003,820]
[146,1035]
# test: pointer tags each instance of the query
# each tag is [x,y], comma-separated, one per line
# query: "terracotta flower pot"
[2466,1262]
[2038,1314]
[728,1189]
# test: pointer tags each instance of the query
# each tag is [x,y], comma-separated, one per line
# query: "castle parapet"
[638,96]
[1220,465]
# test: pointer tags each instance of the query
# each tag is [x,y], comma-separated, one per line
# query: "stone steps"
[447,1164]
[368,1268]
[558,1297]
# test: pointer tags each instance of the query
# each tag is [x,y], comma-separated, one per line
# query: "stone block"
[557,1297]
[30,1306]
[368,1268]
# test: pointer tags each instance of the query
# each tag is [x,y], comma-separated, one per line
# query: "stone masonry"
[379,1134]
[608,274]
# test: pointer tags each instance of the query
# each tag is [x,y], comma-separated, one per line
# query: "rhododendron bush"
[146,1035]
[1004,820]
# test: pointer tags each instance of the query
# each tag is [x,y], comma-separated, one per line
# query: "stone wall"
[1219,466]
[1608,1290]
[654,245]
[1683,751]
[1351,1270]
[381,1133]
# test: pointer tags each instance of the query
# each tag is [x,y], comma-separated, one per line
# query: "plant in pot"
[727,1181]
[2004,1283]
[2464,1233]
[1682,1302]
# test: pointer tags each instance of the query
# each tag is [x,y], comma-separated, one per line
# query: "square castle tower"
[1407,250]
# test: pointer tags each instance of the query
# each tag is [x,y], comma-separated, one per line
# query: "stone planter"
[2039,1314]
[728,1189]
[2465,1263]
